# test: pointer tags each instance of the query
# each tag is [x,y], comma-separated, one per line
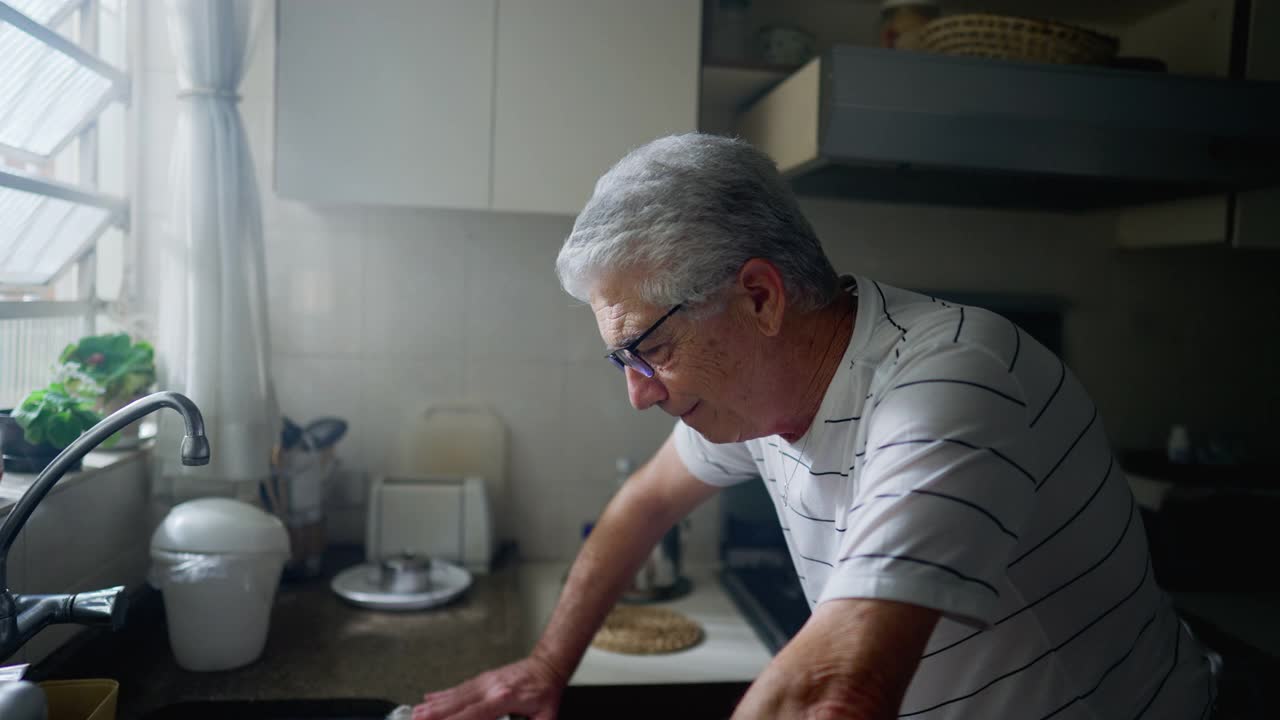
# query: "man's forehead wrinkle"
[617,322]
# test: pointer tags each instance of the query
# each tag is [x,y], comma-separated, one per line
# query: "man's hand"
[530,688]
[651,501]
[853,659]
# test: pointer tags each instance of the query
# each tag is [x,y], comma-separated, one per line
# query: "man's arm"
[853,659]
[648,504]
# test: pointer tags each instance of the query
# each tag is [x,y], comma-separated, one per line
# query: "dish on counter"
[361,585]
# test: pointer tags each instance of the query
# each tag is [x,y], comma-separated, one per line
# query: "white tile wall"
[378,311]
[414,276]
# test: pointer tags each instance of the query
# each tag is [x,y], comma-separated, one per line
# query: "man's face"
[703,366]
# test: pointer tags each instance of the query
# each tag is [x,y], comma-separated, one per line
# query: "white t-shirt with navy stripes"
[957,464]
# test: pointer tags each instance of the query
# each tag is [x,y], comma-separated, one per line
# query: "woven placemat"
[646,631]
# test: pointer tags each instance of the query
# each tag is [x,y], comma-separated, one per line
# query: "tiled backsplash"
[436,306]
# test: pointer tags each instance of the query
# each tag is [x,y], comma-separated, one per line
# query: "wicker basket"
[1016,38]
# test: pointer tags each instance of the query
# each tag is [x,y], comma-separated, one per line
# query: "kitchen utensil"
[1017,38]
[325,432]
[405,574]
[361,585]
[291,434]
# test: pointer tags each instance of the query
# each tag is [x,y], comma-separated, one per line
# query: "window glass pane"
[110,250]
[30,348]
[40,235]
[111,155]
[42,11]
[45,95]
[66,164]
[67,286]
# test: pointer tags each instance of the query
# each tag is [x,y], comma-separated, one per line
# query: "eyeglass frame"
[631,350]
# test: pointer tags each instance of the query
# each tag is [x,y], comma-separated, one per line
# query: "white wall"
[377,312]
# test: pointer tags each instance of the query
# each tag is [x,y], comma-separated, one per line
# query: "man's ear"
[765,294]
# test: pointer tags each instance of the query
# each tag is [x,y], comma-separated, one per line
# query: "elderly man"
[962,533]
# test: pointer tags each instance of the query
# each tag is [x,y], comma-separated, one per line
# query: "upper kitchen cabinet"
[385,101]
[516,105]
[581,82]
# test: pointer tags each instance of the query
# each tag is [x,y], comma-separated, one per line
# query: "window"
[63,201]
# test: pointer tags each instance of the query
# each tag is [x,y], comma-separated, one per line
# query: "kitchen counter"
[318,647]
[730,651]
[321,647]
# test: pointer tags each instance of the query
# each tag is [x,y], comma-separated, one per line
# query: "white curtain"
[212,343]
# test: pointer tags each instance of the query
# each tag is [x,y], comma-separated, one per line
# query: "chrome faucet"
[22,616]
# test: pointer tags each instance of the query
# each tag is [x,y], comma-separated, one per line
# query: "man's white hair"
[683,213]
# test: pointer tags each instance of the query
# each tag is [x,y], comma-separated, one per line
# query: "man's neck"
[820,341]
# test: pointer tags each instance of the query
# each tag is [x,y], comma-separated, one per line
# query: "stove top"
[771,600]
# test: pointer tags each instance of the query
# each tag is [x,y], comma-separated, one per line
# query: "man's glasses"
[629,356]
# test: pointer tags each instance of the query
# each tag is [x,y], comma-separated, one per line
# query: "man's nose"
[644,392]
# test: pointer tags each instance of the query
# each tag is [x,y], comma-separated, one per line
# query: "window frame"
[84,261]
[80,306]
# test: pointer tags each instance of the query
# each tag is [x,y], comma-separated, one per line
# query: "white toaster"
[440,517]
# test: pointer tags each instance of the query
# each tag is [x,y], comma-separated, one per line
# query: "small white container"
[218,564]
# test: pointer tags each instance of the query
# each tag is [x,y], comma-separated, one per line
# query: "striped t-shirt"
[957,464]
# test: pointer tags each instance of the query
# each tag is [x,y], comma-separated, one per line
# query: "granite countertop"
[318,646]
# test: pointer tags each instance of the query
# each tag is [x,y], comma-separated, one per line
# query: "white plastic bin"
[218,564]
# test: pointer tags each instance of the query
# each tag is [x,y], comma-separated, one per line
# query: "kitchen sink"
[328,709]
[707,701]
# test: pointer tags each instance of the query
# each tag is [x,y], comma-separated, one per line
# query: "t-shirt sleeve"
[941,498]
[721,465]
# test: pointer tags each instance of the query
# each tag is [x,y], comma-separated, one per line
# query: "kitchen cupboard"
[386,102]
[514,105]
[580,82]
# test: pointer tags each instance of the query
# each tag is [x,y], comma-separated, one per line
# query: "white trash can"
[217,562]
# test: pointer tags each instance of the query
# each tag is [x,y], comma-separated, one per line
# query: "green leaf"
[122,367]
[33,434]
[86,417]
[54,415]
[63,429]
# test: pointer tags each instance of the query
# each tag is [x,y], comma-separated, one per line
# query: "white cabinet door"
[385,101]
[581,82]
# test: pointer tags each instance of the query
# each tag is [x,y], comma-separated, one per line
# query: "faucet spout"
[99,607]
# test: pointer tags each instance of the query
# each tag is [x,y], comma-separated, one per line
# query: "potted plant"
[122,368]
[48,420]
